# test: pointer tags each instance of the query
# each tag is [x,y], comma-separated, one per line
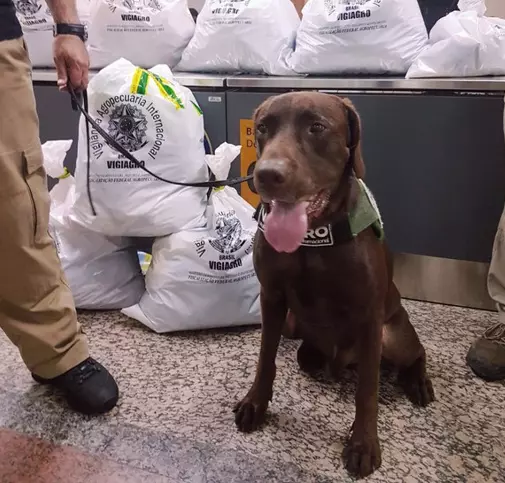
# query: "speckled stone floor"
[174,421]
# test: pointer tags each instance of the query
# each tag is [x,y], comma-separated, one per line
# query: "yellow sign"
[248,161]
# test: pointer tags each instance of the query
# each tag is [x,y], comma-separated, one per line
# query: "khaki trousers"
[36,306]
[496,277]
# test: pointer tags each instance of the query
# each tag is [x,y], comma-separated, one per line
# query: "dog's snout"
[272,173]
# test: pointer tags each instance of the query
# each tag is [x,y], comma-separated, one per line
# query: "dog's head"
[307,142]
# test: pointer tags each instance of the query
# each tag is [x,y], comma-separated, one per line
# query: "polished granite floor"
[174,420]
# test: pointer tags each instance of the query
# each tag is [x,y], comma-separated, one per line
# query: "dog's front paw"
[362,456]
[250,413]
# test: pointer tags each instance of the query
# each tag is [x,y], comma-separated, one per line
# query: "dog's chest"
[325,278]
[327,295]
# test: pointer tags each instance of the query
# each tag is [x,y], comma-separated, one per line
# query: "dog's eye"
[261,129]
[317,127]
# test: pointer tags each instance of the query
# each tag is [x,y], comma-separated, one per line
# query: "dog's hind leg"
[401,347]
[310,360]
[291,329]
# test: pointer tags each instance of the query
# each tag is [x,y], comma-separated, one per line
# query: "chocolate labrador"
[320,254]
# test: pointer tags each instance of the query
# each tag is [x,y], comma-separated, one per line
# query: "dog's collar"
[365,214]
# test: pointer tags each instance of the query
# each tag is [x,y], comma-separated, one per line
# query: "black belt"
[80,102]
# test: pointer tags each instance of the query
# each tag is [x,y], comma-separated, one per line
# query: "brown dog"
[338,286]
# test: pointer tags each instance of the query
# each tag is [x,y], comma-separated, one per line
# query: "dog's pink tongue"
[286,226]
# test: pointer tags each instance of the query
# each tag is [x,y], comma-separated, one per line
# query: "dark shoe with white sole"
[486,357]
[88,387]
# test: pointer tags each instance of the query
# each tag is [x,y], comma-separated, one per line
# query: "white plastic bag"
[464,43]
[37,24]
[204,278]
[359,36]
[147,32]
[160,123]
[254,36]
[103,273]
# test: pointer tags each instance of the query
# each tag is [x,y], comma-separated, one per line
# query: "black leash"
[80,103]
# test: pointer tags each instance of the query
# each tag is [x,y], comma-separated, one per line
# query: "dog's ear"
[354,124]
[257,115]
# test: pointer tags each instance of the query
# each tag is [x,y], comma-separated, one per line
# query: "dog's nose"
[272,173]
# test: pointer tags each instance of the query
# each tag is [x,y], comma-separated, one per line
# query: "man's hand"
[72,62]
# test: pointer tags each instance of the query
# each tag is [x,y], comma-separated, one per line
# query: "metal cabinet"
[213,104]
[56,118]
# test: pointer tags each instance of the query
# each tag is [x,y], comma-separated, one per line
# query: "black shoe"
[88,387]
[486,357]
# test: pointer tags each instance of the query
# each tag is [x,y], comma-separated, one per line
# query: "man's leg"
[486,357]
[36,306]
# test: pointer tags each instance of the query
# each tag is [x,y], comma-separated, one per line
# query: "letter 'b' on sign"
[248,161]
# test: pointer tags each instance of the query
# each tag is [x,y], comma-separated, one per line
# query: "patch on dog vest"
[365,214]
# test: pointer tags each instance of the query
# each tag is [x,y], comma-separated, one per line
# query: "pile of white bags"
[204,278]
[201,273]
[464,43]
[37,24]
[103,273]
[254,36]
[159,121]
[147,32]
[359,36]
